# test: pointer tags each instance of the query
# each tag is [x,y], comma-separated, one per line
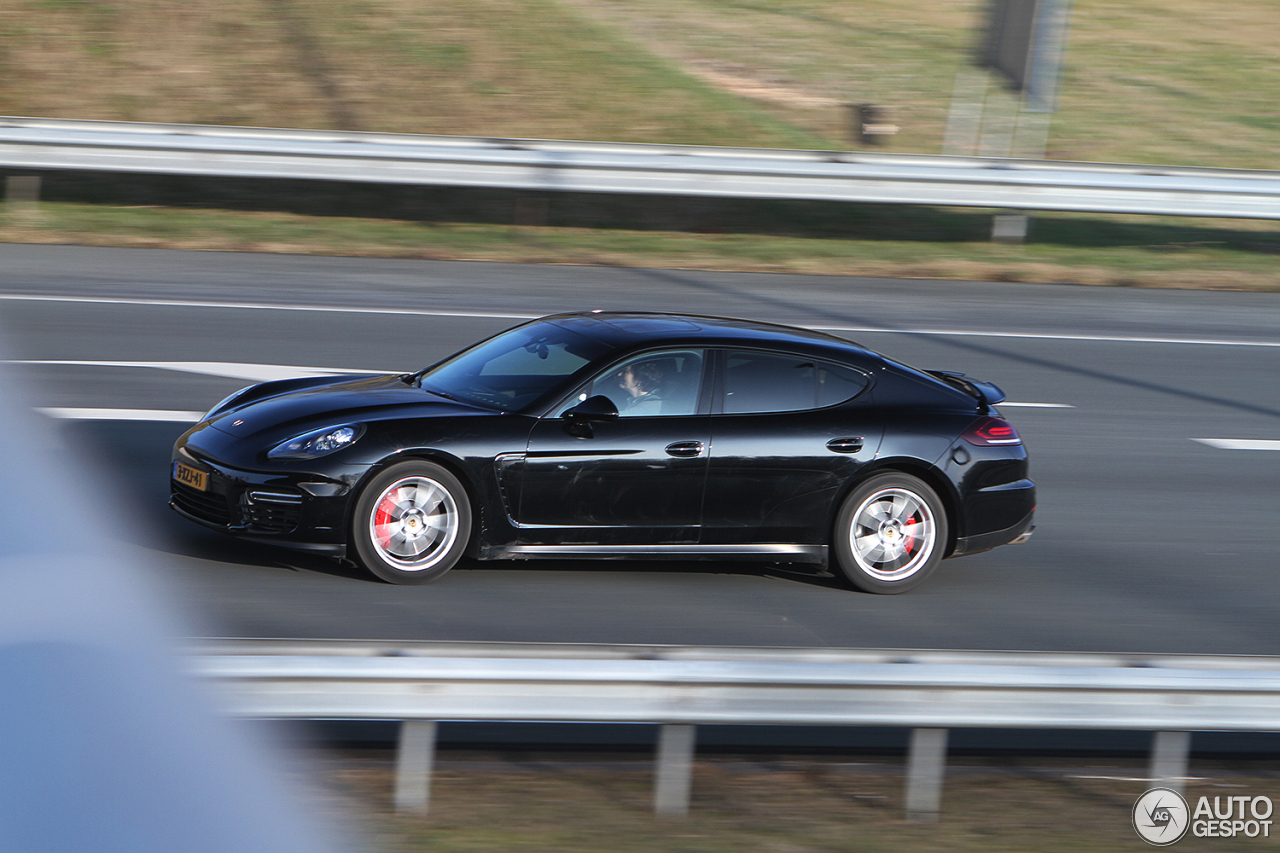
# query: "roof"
[631,328]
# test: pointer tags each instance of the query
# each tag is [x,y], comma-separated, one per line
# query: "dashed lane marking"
[73,414]
[1241,443]
[231,370]
[1037,405]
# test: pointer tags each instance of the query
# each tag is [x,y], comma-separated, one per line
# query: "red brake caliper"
[382,519]
[909,534]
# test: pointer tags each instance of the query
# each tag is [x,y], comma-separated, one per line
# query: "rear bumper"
[1014,535]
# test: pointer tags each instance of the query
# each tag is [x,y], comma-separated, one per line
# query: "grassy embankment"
[1181,81]
[529,802]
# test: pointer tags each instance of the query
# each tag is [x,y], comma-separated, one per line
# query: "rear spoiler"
[985,392]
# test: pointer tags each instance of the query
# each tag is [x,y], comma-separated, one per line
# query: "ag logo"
[1160,816]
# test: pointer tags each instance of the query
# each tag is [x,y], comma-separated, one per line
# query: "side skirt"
[777,552]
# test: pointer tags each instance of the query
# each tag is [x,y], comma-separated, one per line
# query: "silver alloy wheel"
[893,534]
[413,524]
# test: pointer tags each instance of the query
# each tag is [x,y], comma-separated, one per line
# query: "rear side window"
[771,382]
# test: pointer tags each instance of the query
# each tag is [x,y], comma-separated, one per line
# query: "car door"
[788,433]
[632,482]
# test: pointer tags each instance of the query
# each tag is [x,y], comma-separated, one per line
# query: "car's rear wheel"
[412,522]
[890,533]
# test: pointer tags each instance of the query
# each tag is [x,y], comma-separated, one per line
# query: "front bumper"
[297,510]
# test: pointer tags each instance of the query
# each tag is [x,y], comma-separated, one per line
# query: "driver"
[643,383]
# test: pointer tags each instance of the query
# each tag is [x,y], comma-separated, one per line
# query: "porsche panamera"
[620,435]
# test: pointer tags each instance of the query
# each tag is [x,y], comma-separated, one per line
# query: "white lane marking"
[192,417]
[1134,778]
[122,414]
[231,370]
[1037,405]
[267,372]
[1121,339]
[485,315]
[266,306]
[1240,443]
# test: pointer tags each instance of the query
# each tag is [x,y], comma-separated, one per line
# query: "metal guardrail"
[679,688]
[43,144]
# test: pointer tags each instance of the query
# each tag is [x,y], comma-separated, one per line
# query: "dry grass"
[527,802]
[516,68]
[805,59]
[1146,81]
[1168,81]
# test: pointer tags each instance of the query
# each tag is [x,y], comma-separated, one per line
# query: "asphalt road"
[1148,540]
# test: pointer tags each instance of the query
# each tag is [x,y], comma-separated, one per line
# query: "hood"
[341,400]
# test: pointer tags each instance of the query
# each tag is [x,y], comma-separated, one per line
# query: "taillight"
[992,432]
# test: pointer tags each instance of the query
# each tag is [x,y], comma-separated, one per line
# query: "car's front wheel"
[890,533]
[412,522]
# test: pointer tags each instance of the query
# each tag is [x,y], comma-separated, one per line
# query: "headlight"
[227,401]
[317,443]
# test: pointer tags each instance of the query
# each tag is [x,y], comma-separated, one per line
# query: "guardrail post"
[1169,754]
[926,764]
[414,759]
[674,773]
[22,192]
[1010,227]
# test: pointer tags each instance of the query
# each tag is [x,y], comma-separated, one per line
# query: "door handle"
[685,449]
[845,445]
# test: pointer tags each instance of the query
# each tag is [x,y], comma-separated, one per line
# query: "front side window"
[513,369]
[774,382]
[662,383]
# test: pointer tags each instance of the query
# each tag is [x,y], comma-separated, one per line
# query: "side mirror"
[593,409]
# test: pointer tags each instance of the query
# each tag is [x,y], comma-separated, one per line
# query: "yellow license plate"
[193,477]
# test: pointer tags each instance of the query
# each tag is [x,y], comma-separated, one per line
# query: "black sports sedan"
[609,435]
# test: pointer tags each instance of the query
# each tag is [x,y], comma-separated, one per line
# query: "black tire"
[890,534]
[411,523]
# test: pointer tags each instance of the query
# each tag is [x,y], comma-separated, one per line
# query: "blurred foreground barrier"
[1024,185]
[679,688]
[107,746]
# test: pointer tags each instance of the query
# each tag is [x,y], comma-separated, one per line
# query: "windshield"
[510,371]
